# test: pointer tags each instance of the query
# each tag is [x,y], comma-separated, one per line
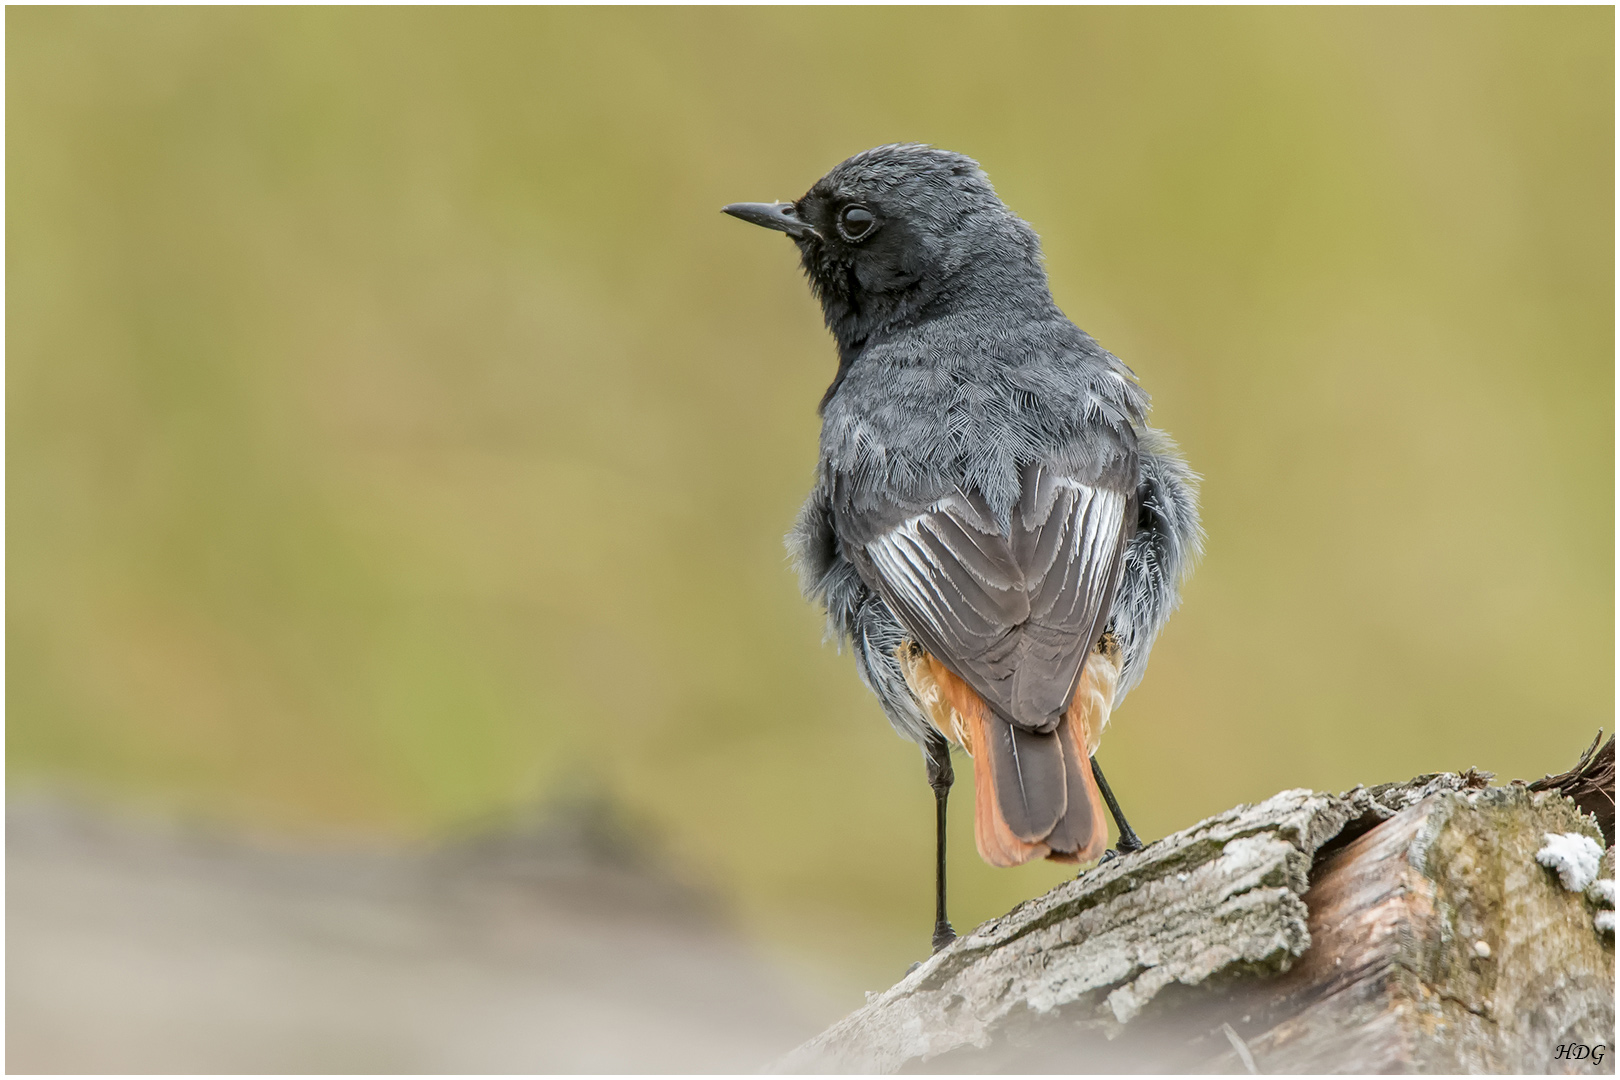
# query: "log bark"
[1403,928]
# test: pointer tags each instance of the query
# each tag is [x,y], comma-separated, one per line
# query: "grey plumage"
[988,487]
[1169,541]
[968,399]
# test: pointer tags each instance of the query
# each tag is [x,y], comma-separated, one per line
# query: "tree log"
[1403,928]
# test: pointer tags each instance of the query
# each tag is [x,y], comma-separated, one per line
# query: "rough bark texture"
[1590,783]
[1406,927]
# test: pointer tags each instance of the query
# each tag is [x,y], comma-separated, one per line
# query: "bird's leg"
[937,756]
[1128,840]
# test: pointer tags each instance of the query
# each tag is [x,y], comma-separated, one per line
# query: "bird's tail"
[1081,834]
[1034,792]
[1083,826]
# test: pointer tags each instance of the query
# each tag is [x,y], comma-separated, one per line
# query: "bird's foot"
[1128,846]
[943,936]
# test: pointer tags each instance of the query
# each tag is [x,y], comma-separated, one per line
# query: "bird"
[994,528]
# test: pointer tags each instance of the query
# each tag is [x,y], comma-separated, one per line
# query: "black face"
[881,233]
[866,249]
[841,222]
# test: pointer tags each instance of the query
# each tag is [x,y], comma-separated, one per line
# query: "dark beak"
[778,215]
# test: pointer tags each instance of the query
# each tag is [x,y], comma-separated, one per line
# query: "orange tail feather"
[1082,833]
[997,843]
[956,709]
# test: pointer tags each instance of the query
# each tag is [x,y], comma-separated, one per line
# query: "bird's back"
[964,402]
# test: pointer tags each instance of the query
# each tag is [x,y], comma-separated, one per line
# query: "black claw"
[943,936]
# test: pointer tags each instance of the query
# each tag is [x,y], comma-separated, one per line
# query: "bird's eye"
[856,222]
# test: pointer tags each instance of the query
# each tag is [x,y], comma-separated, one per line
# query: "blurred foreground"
[552,947]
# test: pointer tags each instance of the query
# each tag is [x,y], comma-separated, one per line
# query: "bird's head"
[895,232]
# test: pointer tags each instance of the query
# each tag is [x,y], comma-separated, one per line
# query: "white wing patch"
[1015,612]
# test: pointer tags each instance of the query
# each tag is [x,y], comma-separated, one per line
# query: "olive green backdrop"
[398,436]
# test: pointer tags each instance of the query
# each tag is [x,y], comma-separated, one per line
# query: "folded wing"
[1013,613]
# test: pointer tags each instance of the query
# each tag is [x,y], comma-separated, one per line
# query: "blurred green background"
[398,436]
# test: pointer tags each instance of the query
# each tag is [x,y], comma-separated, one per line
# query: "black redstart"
[994,527]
